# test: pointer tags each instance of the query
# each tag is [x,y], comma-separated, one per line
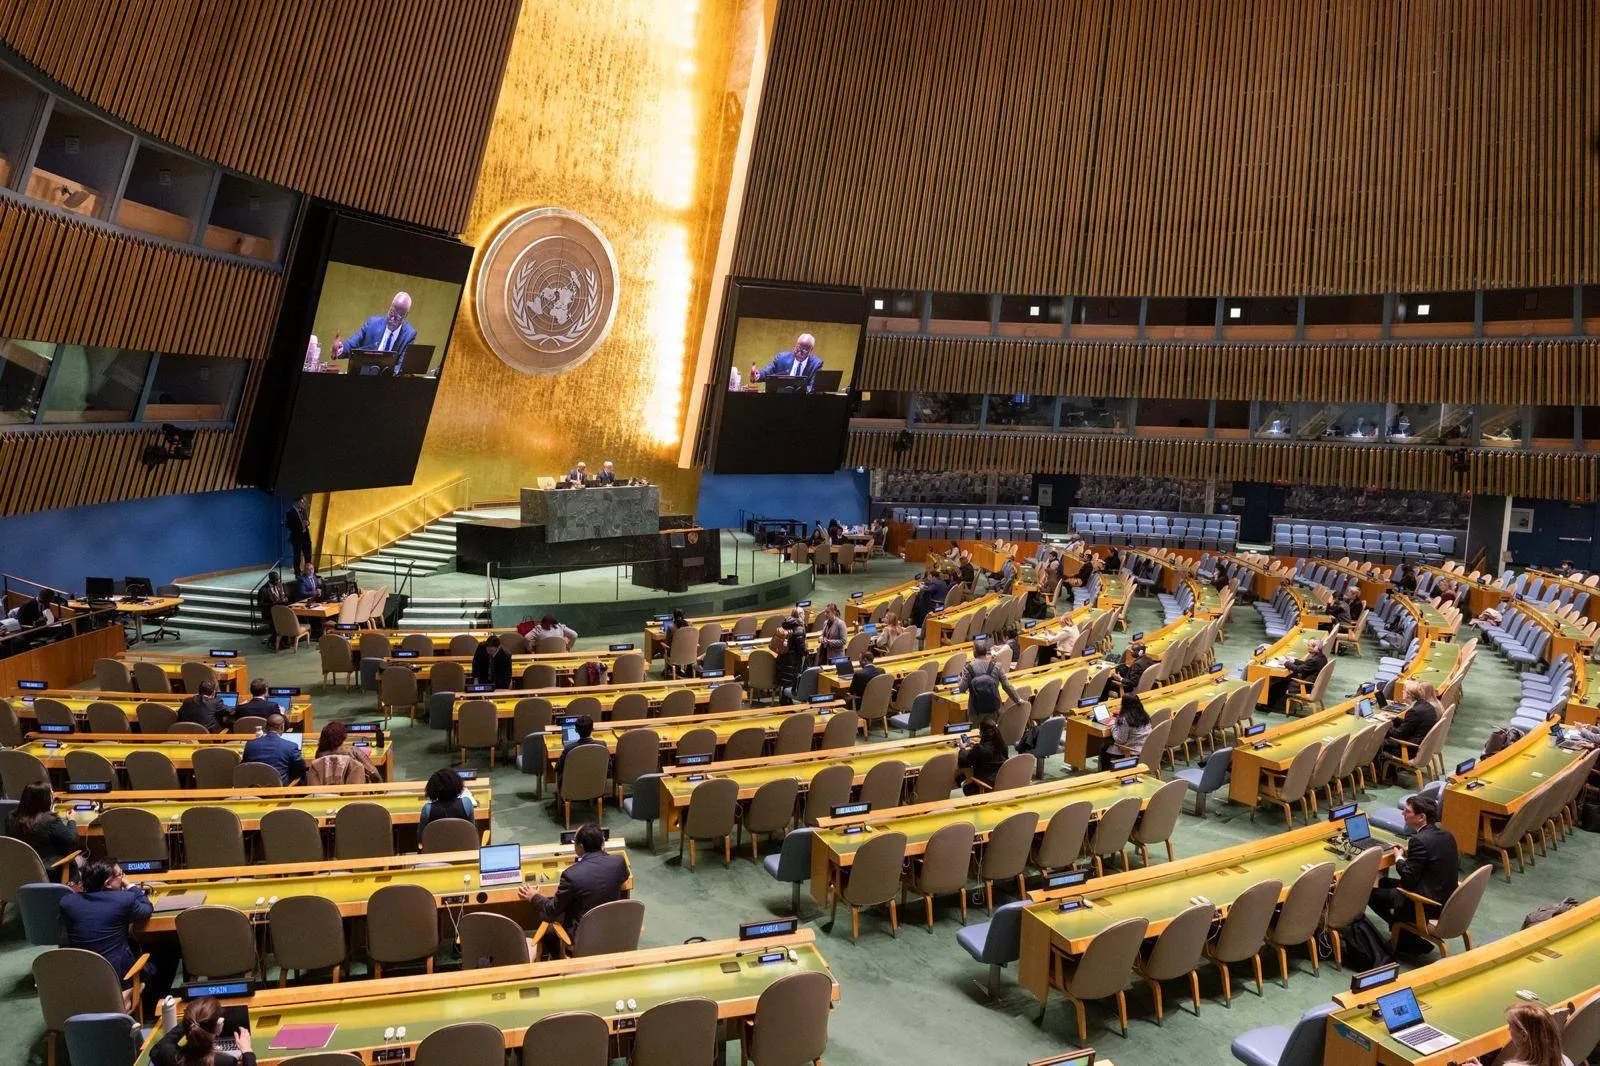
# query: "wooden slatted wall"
[69,281]
[1501,372]
[381,107]
[1143,147]
[1543,475]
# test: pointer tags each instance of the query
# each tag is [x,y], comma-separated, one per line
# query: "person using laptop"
[194,1041]
[595,877]
[801,361]
[983,760]
[1129,728]
[1426,864]
[257,705]
[388,332]
[448,797]
[277,751]
[864,673]
[1419,715]
[203,708]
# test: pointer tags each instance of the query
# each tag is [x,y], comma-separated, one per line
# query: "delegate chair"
[1244,933]
[1300,916]
[638,753]
[112,675]
[362,830]
[571,1038]
[212,836]
[402,927]
[289,835]
[608,929]
[107,718]
[489,939]
[1204,780]
[1063,839]
[1112,831]
[795,734]
[1348,900]
[105,1039]
[883,784]
[770,811]
[936,780]
[133,833]
[1103,970]
[583,779]
[698,741]
[72,981]
[255,775]
[149,677]
[644,804]
[217,943]
[995,943]
[1278,1045]
[941,869]
[874,879]
[450,834]
[307,935]
[18,770]
[1177,953]
[712,806]
[829,788]
[285,627]
[745,743]
[792,863]
[1455,916]
[679,1032]
[1159,819]
[791,1021]
[39,904]
[155,718]
[463,1044]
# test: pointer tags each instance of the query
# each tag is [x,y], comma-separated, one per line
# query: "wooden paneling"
[1546,476]
[75,282]
[382,107]
[1499,372]
[64,663]
[1142,147]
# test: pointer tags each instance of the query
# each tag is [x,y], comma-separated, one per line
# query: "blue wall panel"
[160,538]
[724,498]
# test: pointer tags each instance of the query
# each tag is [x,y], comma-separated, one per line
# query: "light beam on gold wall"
[626,112]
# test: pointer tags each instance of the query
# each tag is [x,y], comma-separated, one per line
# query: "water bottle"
[169,1014]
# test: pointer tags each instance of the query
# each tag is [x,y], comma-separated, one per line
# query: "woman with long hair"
[336,763]
[193,1041]
[983,759]
[1535,1039]
[1129,728]
[36,824]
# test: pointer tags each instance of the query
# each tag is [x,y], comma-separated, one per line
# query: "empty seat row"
[1519,637]
[1361,542]
[1311,574]
[1535,589]
[1157,529]
[972,523]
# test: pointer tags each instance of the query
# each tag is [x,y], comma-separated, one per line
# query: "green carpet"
[919,996]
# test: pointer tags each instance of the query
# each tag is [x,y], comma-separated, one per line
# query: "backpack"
[983,690]
[1501,738]
[1363,948]
[1547,911]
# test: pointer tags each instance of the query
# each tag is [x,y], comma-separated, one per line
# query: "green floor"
[918,996]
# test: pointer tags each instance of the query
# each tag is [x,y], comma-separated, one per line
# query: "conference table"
[300,716]
[1480,594]
[1466,994]
[1163,891]
[136,609]
[836,841]
[656,643]
[1265,577]
[1432,623]
[566,663]
[232,673]
[732,973]
[678,782]
[1270,753]
[402,799]
[1158,642]
[1113,592]
[1271,661]
[1584,706]
[52,751]
[939,627]
[452,877]
[949,704]
[561,700]
[859,607]
[1501,784]
[1084,737]
[1591,606]
[736,655]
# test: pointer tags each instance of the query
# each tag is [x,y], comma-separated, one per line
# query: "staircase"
[430,548]
[216,608]
[440,612]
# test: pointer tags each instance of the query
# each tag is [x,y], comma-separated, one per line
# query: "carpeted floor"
[918,997]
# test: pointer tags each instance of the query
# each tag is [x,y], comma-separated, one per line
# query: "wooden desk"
[565,663]
[1509,777]
[1161,892]
[1113,592]
[1272,752]
[1084,737]
[1584,706]
[751,774]
[833,850]
[858,609]
[402,799]
[655,641]
[52,752]
[232,674]
[135,609]
[315,612]
[452,876]
[301,717]
[938,626]
[515,997]
[1466,994]
[506,700]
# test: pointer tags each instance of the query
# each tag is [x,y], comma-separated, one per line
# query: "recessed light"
[1235,312]
[877,305]
[1034,310]
[1423,309]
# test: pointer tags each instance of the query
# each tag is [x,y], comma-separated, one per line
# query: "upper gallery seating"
[1156,529]
[972,523]
[1388,544]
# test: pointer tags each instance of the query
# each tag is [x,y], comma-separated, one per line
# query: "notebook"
[302,1037]
[180,902]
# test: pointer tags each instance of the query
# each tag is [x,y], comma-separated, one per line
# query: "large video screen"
[790,364]
[361,342]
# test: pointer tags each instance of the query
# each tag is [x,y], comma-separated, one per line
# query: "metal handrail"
[382,538]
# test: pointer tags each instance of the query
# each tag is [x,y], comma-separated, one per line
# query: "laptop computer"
[843,667]
[369,362]
[1359,832]
[417,361]
[785,383]
[1402,1016]
[827,380]
[499,864]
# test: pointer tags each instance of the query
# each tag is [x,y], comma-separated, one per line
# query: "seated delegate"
[448,797]
[276,751]
[595,877]
[491,664]
[257,706]
[98,918]
[204,709]
[36,823]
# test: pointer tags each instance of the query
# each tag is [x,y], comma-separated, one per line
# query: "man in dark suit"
[297,520]
[491,664]
[203,708]
[1304,671]
[257,705]
[383,333]
[798,362]
[934,590]
[277,752]
[1427,864]
[98,917]
[1129,673]
[595,878]
[577,475]
[608,474]
[309,585]
[864,673]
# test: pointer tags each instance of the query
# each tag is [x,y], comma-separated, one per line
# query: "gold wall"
[625,111]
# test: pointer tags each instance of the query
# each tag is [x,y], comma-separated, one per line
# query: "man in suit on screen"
[800,362]
[383,333]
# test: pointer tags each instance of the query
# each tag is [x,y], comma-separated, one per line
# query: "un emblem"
[547,291]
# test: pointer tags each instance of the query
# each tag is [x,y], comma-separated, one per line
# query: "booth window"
[192,388]
[95,385]
[24,368]
[80,162]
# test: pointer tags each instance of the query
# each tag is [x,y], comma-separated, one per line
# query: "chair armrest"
[66,864]
[485,837]
[982,784]
[138,964]
[1421,903]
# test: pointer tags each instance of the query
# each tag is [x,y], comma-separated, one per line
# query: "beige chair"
[679,1032]
[106,717]
[420,643]
[478,727]
[1582,1032]
[790,1026]
[1244,932]
[712,808]
[532,714]
[1205,724]
[1300,916]
[375,646]
[1103,970]
[874,706]
[583,780]
[936,780]
[539,676]
[571,1038]
[18,769]
[308,935]
[874,879]
[189,728]
[701,740]
[771,810]
[290,835]
[397,688]
[585,705]
[212,837]
[447,677]
[217,943]
[1455,916]
[149,677]
[1014,722]
[74,981]
[1159,819]
[213,767]
[286,627]
[883,784]
[112,675]
[152,771]
[87,767]
[155,718]
[402,927]
[627,669]
[1291,786]
[746,743]
[349,610]
[683,651]
[630,707]
[1419,760]
[195,674]
[1177,953]
[679,703]
[829,788]
[1179,735]
[1154,748]
[725,698]
[761,674]
[465,645]
[1348,900]
[133,833]
[638,753]
[1310,698]
[795,733]
[1005,854]
[256,775]
[841,730]
[20,865]
[942,868]
[1326,771]
[450,834]
[1112,833]
[609,929]
[1063,839]
[363,830]
[463,1044]
[10,728]
[489,939]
